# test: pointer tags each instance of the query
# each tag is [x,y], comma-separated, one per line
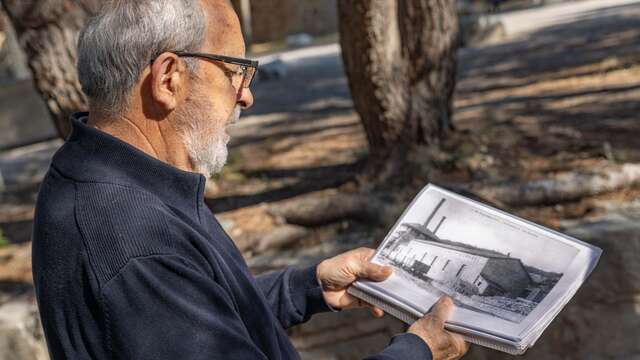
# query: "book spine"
[491,345]
[387,307]
[410,318]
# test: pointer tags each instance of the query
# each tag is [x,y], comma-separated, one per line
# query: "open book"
[508,277]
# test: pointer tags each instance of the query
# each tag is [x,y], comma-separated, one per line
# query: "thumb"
[442,309]
[371,271]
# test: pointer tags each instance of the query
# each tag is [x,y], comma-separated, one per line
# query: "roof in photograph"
[433,239]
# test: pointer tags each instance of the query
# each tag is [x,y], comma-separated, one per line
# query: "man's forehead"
[224,34]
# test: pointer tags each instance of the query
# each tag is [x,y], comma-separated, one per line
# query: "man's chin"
[215,163]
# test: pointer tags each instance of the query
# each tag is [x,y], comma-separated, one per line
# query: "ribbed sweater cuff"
[407,346]
[306,293]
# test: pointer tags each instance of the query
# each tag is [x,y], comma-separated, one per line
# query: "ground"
[561,97]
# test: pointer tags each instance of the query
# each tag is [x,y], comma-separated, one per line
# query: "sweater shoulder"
[120,223]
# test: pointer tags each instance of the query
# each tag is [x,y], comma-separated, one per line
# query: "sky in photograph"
[480,228]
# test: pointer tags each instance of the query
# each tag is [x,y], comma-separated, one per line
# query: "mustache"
[235,115]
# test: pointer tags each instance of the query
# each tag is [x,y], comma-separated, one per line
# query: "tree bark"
[400,59]
[48,32]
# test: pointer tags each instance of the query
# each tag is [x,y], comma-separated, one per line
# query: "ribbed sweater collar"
[91,155]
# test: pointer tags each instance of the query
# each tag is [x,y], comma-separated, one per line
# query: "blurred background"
[528,105]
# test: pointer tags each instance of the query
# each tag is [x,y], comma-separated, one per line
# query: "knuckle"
[364,252]
[353,261]
[360,250]
[354,266]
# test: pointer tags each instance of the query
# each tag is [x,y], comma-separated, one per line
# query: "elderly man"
[128,262]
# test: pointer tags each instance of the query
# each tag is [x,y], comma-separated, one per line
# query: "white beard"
[205,140]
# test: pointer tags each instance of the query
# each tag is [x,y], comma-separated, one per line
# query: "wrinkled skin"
[338,273]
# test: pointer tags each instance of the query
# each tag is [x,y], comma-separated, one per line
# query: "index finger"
[371,271]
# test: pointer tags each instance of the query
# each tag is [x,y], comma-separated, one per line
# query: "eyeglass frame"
[244,63]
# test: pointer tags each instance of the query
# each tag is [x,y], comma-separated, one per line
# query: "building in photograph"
[466,269]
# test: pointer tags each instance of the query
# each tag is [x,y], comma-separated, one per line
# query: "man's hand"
[444,345]
[337,273]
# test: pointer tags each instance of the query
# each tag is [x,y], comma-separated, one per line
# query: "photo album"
[508,277]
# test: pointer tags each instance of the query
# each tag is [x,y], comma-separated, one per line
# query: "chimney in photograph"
[433,213]
[435,231]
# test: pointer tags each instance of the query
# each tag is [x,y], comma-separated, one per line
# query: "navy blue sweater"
[129,263]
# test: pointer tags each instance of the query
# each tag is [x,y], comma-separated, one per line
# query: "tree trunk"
[243,9]
[48,32]
[400,59]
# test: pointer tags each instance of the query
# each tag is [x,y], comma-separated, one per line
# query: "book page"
[503,273]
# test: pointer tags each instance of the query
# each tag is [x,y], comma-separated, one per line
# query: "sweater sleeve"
[161,307]
[293,293]
[404,346]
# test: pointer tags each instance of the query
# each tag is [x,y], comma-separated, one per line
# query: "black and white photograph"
[484,263]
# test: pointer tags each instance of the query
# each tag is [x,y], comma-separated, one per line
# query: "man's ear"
[168,80]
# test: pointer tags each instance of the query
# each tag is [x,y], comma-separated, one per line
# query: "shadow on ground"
[567,87]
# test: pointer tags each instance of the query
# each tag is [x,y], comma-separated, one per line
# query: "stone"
[21,335]
[281,237]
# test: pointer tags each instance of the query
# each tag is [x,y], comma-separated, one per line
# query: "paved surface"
[518,23]
[316,73]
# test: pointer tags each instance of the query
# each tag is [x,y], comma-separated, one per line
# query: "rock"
[603,320]
[21,335]
[281,236]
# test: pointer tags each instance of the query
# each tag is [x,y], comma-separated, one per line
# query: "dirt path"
[563,98]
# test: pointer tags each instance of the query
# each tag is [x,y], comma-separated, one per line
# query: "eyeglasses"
[247,67]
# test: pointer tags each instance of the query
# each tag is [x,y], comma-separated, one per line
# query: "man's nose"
[245,98]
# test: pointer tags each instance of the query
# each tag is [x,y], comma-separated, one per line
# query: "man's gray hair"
[126,36]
